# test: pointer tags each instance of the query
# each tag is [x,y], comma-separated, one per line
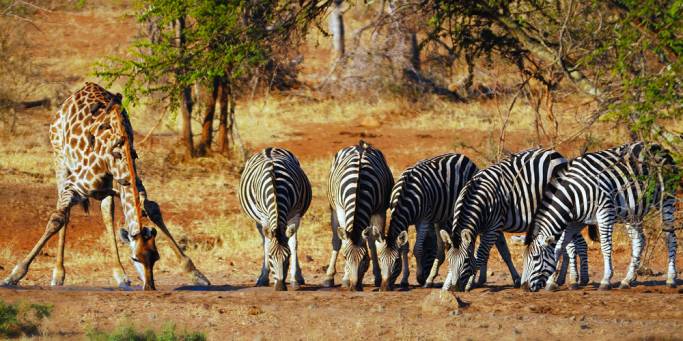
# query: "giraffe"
[94,157]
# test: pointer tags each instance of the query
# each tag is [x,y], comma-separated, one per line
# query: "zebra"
[358,192]
[621,184]
[502,197]
[275,193]
[423,196]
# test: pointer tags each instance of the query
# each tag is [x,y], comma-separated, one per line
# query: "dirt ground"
[224,245]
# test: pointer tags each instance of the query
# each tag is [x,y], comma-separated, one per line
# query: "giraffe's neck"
[130,199]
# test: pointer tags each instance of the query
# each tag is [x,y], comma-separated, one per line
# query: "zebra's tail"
[593,233]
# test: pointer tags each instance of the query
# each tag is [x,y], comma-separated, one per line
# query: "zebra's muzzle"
[280,285]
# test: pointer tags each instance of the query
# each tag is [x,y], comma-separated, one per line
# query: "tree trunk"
[337,28]
[223,143]
[185,95]
[211,98]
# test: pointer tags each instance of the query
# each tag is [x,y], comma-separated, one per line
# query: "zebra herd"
[451,203]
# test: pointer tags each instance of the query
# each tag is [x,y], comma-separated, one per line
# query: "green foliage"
[21,318]
[129,333]
[229,39]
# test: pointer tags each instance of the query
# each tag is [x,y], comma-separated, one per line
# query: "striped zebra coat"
[358,191]
[423,196]
[502,197]
[275,193]
[621,184]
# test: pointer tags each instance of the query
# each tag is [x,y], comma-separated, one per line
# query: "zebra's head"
[539,263]
[387,255]
[278,255]
[356,258]
[459,258]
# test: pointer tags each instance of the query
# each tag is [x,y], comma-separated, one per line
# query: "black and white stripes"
[275,193]
[502,197]
[359,186]
[423,196]
[621,184]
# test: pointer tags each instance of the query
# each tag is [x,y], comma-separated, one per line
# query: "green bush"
[129,333]
[21,318]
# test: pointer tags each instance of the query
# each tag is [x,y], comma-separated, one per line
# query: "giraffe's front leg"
[58,273]
[120,277]
[154,213]
[58,220]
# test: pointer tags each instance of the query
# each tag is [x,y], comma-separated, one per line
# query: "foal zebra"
[621,184]
[502,197]
[275,193]
[423,196]
[358,191]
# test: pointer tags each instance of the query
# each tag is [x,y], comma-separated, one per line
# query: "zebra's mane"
[362,147]
[268,154]
[553,186]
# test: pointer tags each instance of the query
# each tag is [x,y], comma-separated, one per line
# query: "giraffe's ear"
[125,237]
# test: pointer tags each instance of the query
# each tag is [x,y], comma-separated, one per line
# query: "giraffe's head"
[144,253]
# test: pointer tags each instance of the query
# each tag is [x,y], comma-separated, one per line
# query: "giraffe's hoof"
[624,285]
[328,282]
[517,283]
[199,279]
[605,286]
[552,287]
[573,286]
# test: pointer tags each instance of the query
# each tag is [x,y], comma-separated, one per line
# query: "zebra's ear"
[367,233]
[266,232]
[377,234]
[549,241]
[402,239]
[291,230]
[447,242]
[341,232]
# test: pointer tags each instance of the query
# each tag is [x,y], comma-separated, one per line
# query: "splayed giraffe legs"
[154,213]
[58,219]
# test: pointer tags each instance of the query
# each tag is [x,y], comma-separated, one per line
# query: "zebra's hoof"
[262,283]
[624,285]
[345,283]
[328,282]
[198,278]
[378,282]
[404,286]
[552,287]
[605,287]
[671,284]
[295,285]
[573,286]
[583,283]
[428,285]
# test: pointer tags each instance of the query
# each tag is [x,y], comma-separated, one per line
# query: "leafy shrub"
[21,318]
[127,332]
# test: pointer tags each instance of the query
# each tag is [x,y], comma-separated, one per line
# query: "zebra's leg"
[263,279]
[328,282]
[422,231]
[667,212]
[566,238]
[635,232]
[58,219]
[296,278]
[581,252]
[502,246]
[434,271]
[481,262]
[606,248]
[563,266]
[377,220]
[405,266]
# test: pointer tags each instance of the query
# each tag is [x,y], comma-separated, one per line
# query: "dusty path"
[226,312]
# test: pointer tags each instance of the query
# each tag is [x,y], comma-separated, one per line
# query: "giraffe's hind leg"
[154,213]
[58,219]
[107,208]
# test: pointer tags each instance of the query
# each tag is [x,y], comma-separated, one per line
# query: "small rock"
[584,326]
[309,258]
[254,310]
[439,302]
